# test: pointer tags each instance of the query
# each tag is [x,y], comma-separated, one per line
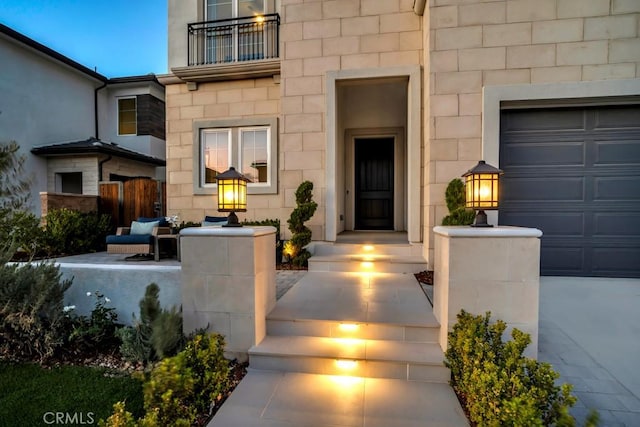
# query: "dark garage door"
[574,173]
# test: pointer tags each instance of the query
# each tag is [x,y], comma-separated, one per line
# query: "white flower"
[68,308]
[88,294]
[106,299]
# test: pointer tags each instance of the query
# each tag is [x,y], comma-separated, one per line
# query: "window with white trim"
[249,145]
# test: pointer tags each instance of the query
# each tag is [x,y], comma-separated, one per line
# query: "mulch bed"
[425,277]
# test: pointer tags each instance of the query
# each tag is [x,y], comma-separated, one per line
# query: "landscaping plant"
[96,332]
[301,235]
[181,387]
[157,334]
[496,384]
[455,197]
[33,324]
[69,232]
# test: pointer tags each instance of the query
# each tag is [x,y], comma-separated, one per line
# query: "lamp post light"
[481,184]
[232,195]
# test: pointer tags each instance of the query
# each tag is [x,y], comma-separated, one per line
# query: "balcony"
[232,49]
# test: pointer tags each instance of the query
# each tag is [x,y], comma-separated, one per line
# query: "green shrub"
[21,234]
[181,387]
[455,198]
[157,334]
[97,331]
[301,235]
[69,232]
[14,183]
[33,324]
[497,385]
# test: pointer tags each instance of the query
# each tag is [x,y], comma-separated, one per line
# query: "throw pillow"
[143,227]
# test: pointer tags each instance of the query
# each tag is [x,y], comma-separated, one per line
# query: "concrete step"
[412,361]
[368,263]
[398,249]
[336,329]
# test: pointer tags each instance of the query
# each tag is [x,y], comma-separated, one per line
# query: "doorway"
[374,173]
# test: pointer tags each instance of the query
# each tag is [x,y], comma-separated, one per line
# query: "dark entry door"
[374,183]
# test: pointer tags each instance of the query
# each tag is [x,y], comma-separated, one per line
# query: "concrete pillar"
[229,283]
[493,269]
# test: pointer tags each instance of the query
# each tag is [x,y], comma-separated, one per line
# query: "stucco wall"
[42,102]
[479,44]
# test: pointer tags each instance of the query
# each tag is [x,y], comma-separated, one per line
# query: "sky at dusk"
[118,37]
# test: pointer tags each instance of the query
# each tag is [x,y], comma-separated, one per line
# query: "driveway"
[590,333]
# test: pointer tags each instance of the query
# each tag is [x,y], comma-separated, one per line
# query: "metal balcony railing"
[234,40]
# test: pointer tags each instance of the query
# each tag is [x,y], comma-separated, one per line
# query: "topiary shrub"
[496,384]
[455,198]
[301,235]
[157,334]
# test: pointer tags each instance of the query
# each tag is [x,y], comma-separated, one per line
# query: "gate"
[128,200]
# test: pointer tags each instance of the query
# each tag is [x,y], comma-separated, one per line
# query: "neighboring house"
[76,127]
[381,103]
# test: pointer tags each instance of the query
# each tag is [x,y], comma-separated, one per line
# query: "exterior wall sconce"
[481,184]
[232,195]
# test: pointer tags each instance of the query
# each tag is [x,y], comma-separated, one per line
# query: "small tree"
[455,198]
[301,235]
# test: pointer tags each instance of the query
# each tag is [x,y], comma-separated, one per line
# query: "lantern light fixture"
[232,195]
[481,184]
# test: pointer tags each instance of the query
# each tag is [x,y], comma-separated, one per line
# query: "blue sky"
[119,37]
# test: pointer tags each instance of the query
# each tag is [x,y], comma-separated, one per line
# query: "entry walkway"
[394,377]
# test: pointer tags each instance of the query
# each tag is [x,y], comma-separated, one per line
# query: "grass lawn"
[29,394]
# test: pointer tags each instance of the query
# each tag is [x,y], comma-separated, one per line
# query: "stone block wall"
[329,35]
[474,44]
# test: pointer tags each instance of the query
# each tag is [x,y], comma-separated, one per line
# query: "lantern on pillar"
[232,195]
[481,184]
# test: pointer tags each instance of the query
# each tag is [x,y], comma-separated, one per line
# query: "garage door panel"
[543,189]
[540,120]
[620,117]
[620,152]
[562,260]
[569,224]
[616,261]
[533,154]
[621,188]
[617,224]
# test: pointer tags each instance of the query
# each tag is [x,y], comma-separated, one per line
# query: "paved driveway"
[590,332]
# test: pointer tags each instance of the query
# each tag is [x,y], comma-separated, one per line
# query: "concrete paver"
[590,333]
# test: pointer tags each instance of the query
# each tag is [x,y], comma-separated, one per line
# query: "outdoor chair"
[140,238]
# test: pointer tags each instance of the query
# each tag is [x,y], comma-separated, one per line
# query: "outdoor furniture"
[140,238]
[171,238]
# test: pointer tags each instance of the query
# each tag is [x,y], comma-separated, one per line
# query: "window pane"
[250,7]
[219,9]
[127,116]
[215,154]
[254,149]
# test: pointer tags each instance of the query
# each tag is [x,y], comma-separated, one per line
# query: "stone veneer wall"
[237,99]
[320,36]
[474,44]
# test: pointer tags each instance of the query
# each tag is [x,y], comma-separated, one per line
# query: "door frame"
[399,175]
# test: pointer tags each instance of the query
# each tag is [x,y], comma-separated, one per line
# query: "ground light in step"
[346,365]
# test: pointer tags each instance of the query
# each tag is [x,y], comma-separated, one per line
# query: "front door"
[374,183]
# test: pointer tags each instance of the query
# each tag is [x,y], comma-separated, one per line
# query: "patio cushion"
[130,239]
[162,221]
[143,227]
[214,220]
